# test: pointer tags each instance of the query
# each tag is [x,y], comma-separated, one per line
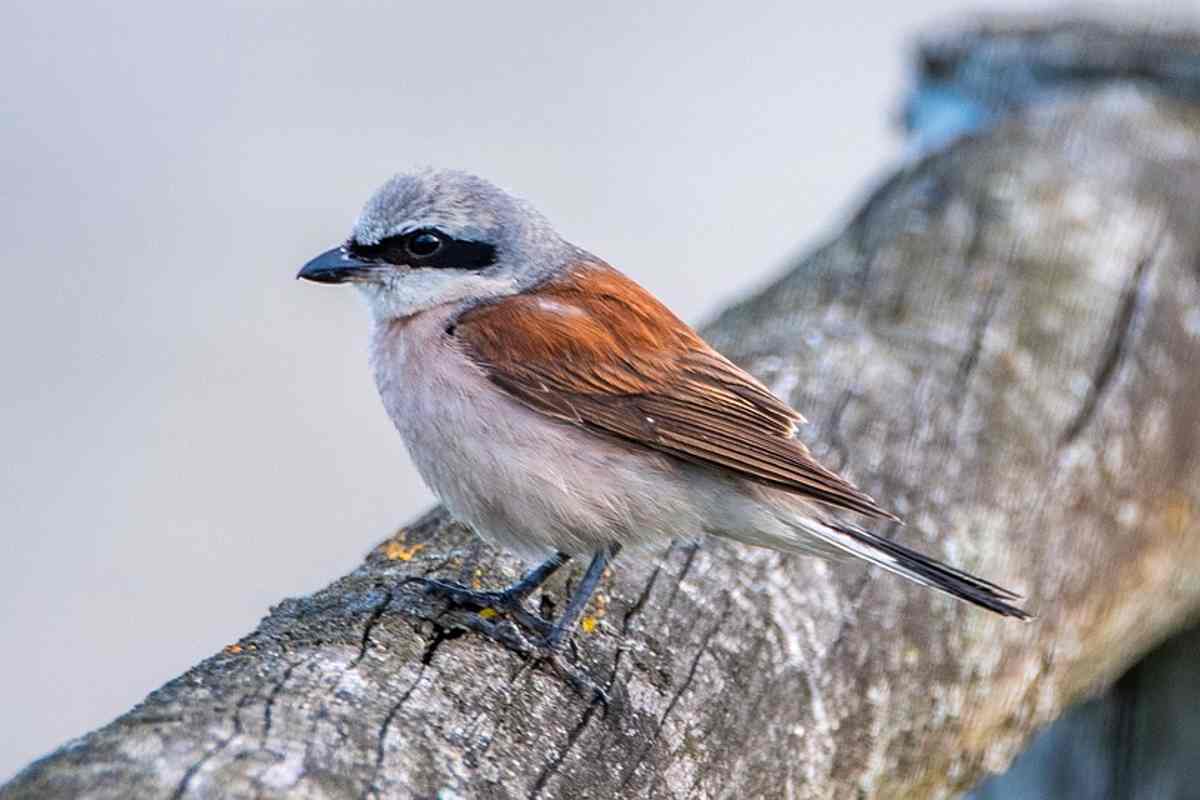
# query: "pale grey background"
[189,434]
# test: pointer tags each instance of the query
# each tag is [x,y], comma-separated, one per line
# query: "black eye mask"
[426,249]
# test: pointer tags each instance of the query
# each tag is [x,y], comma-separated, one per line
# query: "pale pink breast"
[524,482]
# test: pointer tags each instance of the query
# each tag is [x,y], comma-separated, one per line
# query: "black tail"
[923,570]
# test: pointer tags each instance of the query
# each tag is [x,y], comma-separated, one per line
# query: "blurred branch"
[1136,741]
[1003,344]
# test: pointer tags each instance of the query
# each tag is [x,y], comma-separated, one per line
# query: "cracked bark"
[1043,435]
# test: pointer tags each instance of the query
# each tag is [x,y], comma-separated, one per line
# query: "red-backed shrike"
[560,410]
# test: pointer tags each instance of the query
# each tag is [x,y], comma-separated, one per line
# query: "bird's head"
[439,236]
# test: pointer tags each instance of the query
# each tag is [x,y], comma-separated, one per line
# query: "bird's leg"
[533,579]
[579,600]
[509,600]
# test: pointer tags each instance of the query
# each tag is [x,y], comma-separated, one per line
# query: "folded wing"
[594,349]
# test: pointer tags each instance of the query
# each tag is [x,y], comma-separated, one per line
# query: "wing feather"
[594,349]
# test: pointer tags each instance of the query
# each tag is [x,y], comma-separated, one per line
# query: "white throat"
[412,292]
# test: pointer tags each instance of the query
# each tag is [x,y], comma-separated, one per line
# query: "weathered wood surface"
[1004,345]
[1136,741]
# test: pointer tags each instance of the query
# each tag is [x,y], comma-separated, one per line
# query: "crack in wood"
[718,722]
[377,611]
[440,635]
[273,695]
[322,712]
[551,769]
[687,683]
[1132,300]
[185,782]
[692,548]
[268,721]
[980,323]
[640,603]
[635,610]
[981,320]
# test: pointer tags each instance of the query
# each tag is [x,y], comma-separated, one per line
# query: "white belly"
[522,481]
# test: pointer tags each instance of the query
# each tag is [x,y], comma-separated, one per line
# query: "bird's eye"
[423,244]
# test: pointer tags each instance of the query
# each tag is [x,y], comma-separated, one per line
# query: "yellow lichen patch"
[397,551]
[588,624]
[233,649]
[488,613]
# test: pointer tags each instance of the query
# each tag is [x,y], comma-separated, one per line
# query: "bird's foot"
[520,631]
[542,649]
[507,602]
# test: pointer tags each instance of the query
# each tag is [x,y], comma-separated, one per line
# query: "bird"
[561,411]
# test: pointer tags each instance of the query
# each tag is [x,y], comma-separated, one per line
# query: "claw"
[462,596]
[505,602]
[544,644]
[548,639]
[509,635]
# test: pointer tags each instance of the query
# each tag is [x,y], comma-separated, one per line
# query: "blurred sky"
[189,433]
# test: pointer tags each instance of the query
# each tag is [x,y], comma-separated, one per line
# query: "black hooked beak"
[336,266]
